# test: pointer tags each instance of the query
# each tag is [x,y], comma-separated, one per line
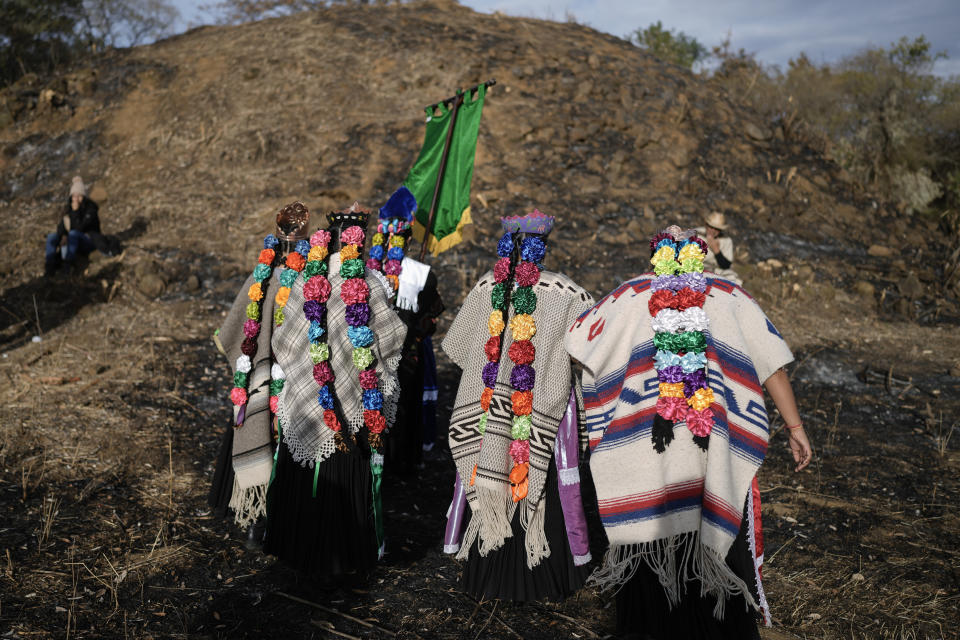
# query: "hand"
[800,446]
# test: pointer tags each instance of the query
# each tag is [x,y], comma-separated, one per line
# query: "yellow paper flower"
[523,327]
[377,238]
[691,251]
[397,241]
[663,253]
[282,294]
[701,399]
[495,323]
[671,389]
[349,252]
[255,293]
[318,252]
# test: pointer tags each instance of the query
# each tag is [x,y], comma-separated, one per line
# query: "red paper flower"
[322,373]
[354,291]
[521,352]
[266,257]
[501,270]
[330,419]
[661,299]
[527,274]
[492,349]
[368,378]
[375,421]
[687,298]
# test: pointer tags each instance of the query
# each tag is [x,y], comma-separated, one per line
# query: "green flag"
[453,201]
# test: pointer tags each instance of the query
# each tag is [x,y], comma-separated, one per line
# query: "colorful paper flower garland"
[526,274]
[355,293]
[678,321]
[251,326]
[388,243]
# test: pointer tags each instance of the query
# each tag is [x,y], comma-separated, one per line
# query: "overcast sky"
[776,30]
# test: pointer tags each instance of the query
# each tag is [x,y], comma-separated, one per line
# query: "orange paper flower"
[255,292]
[485,398]
[282,294]
[349,252]
[522,402]
[318,252]
[266,257]
[395,281]
[518,481]
[671,389]
[296,261]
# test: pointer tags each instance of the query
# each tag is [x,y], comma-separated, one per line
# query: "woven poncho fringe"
[559,302]
[698,562]
[651,504]
[252,456]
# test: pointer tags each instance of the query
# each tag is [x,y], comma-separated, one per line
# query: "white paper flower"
[244,364]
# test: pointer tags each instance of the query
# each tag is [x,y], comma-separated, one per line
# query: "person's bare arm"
[778,386]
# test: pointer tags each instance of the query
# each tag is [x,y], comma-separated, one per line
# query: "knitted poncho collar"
[653,503]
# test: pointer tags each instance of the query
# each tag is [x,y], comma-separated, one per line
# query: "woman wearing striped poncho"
[673,365]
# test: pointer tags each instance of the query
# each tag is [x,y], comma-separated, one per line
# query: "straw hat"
[716,220]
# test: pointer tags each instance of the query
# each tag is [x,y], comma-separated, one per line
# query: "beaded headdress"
[354,215]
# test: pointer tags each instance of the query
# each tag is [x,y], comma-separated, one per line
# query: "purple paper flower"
[694,280]
[671,375]
[357,315]
[693,381]
[522,377]
[671,283]
[490,374]
[314,310]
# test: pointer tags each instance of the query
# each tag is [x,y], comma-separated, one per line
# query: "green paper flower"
[276,386]
[482,426]
[362,358]
[520,429]
[319,352]
[524,300]
[253,311]
[666,267]
[240,379]
[498,297]
[351,269]
[313,268]
[278,316]
[692,265]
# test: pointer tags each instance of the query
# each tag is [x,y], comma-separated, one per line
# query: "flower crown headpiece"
[533,222]
[679,322]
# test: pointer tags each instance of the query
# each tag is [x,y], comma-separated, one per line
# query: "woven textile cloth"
[559,302]
[307,437]
[252,457]
[650,502]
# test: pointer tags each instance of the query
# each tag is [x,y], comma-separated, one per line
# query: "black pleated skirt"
[643,612]
[504,573]
[222,486]
[331,534]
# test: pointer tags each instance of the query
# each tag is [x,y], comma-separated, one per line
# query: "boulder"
[756,132]
[151,285]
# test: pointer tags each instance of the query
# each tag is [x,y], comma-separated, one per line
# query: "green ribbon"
[498,296]
[687,341]
[352,268]
[376,470]
[316,475]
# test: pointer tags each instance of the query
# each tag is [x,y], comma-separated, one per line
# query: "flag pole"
[457,102]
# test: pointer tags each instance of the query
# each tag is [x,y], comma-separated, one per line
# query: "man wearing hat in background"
[80,225]
[719,258]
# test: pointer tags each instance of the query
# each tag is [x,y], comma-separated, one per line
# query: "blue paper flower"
[270,242]
[315,332]
[360,336]
[376,252]
[395,253]
[505,246]
[533,249]
[303,247]
[372,400]
[325,398]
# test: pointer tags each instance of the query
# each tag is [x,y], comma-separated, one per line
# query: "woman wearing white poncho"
[673,364]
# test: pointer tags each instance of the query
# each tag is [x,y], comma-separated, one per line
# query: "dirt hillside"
[115,397]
